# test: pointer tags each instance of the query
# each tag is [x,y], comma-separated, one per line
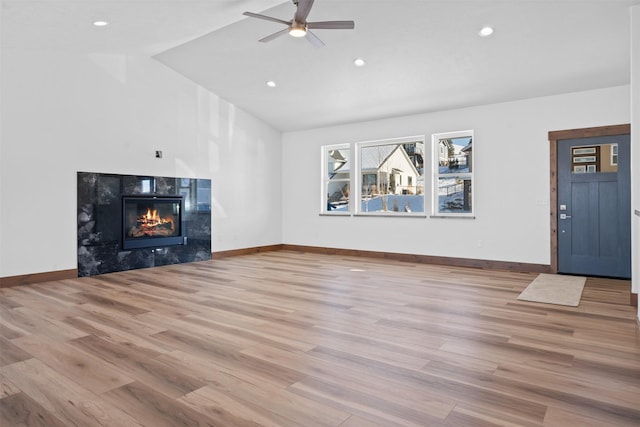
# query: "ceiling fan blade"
[303,7]
[274,35]
[265,17]
[332,25]
[314,40]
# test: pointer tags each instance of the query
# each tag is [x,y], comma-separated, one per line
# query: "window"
[391,177]
[453,174]
[594,158]
[336,179]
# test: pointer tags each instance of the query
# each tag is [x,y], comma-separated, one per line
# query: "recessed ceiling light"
[485,31]
[271,83]
[359,62]
[100,23]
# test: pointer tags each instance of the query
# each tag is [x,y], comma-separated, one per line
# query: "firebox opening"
[152,221]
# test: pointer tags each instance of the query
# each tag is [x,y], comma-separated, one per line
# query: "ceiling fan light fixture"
[298,30]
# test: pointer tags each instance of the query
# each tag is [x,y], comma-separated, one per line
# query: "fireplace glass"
[152,221]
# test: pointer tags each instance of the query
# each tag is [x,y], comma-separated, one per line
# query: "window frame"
[325,179]
[436,175]
[358,178]
[614,147]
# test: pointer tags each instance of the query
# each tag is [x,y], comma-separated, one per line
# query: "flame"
[152,223]
[152,216]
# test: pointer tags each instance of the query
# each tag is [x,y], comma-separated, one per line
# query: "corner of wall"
[635,148]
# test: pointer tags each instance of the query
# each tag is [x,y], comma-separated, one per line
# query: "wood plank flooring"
[293,339]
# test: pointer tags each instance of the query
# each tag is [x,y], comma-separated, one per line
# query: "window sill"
[459,216]
[391,215]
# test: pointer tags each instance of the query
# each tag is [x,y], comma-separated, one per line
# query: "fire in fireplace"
[152,221]
[151,224]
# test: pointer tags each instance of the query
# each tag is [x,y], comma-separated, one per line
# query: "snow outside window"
[336,179]
[453,174]
[391,177]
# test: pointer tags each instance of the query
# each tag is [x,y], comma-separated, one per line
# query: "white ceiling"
[422,55]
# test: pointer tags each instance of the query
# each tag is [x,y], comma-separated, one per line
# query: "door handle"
[565,216]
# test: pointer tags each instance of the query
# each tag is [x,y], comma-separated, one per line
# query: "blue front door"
[594,207]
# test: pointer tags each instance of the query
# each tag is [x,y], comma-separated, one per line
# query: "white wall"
[2,180]
[511,166]
[635,147]
[64,112]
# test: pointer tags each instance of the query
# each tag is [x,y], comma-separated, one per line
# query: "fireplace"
[152,221]
[109,206]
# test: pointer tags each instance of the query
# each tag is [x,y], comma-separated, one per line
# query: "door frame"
[554,137]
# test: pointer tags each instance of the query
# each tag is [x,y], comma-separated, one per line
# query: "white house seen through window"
[391,176]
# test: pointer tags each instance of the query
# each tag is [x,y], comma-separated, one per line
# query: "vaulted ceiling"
[421,55]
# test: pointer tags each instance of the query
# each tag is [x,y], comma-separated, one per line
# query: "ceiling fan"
[299,27]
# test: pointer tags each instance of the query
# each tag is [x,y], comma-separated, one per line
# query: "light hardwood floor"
[292,339]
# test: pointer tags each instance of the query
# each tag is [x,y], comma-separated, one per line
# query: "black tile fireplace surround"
[183,227]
